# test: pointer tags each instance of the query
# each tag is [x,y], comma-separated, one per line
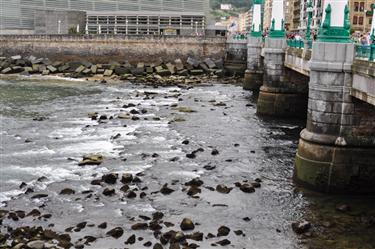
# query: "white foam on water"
[143,207]
[44,150]
[186,173]
[88,147]
[6,196]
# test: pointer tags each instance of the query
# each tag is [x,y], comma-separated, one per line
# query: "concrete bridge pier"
[336,151]
[254,73]
[279,95]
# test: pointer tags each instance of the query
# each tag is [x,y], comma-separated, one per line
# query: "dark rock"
[22,185]
[301,227]
[81,225]
[214,152]
[187,224]
[139,226]
[157,246]
[197,236]
[224,242]
[110,178]
[34,212]
[96,182]
[92,159]
[38,196]
[165,190]
[147,244]
[142,195]
[131,195]
[67,191]
[238,232]
[116,232]
[157,216]
[223,189]
[127,178]
[246,188]
[223,231]
[194,182]
[193,190]
[210,236]
[343,208]
[209,167]
[124,188]
[185,142]
[191,155]
[109,192]
[130,240]
[103,225]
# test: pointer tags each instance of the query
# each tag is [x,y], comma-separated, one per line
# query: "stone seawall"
[101,49]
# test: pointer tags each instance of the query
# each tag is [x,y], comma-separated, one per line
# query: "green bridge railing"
[366,52]
[298,43]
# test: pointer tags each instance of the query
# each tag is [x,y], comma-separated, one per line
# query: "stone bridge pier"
[284,92]
[254,73]
[336,151]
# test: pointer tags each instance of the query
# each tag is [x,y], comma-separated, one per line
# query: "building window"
[370,21]
[362,7]
[360,20]
[355,20]
[356,6]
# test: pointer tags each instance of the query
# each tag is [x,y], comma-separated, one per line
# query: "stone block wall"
[103,49]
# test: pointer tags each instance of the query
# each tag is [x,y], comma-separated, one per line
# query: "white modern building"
[19,16]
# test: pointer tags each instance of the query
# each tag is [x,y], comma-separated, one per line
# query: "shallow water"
[249,147]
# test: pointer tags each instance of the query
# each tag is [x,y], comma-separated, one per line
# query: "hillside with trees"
[239,6]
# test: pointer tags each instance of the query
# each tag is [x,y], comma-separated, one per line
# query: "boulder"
[108,72]
[80,69]
[45,72]
[210,63]
[196,72]
[51,68]
[171,68]
[92,159]
[121,70]
[16,57]
[63,68]
[36,244]
[187,224]
[6,70]
[179,64]
[192,62]
[94,68]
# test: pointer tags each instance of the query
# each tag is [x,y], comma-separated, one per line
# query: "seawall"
[101,49]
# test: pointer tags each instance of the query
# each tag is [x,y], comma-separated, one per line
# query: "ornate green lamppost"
[256,26]
[277,29]
[309,11]
[336,24]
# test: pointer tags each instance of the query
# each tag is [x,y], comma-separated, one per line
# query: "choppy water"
[249,147]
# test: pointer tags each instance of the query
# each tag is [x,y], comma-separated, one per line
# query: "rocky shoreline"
[191,71]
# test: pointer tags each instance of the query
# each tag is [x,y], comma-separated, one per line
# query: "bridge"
[332,82]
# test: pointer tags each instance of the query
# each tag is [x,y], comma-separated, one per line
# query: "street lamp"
[277,24]
[59,26]
[256,26]
[309,11]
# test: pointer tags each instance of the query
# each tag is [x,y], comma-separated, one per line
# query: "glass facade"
[20,14]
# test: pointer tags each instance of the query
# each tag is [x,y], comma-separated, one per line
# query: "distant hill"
[238,4]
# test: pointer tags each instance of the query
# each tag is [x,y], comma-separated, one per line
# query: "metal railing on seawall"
[365,52]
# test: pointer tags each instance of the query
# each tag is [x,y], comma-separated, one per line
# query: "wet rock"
[36,244]
[193,190]
[343,208]
[214,152]
[109,192]
[223,189]
[39,196]
[126,178]
[124,188]
[96,182]
[194,182]
[130,240]
[258,180]
[191,155]
[139,226]
[142,195]
[246,188]
[174,246]
[185,142]
[246,219]
[116,232]
[197,236]
[22,185]
[81,225]
[223,231]
[67,191]
[131,195]
[301,227]
[256,184]
[92,159]
[238,232]
[187,224]
[103,225]
[185,109]
[224,242]
[209,167]
[154,226]
[165,190]
[157,216]
[103,117]
[157,246]
[136,179]
[147,244]
[34,212]
[110,178]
